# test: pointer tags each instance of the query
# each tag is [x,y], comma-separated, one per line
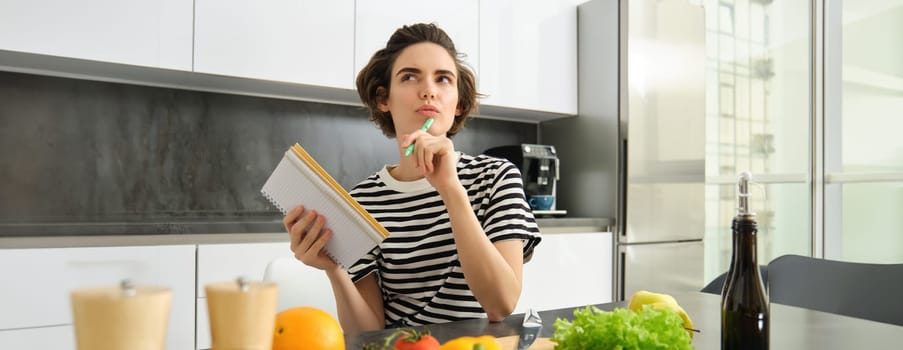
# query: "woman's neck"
[405,171]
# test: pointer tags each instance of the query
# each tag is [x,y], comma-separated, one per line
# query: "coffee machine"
[538,166]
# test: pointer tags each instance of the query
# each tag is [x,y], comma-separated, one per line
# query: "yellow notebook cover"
[299,179]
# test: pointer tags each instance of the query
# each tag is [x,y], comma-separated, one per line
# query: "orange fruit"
[307,327]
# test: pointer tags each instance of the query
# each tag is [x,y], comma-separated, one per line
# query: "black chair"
[714,287]
[869,291]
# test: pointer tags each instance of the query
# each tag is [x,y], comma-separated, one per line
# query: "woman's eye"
[408,77]
[444,79]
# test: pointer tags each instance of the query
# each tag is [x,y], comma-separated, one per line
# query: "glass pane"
[758,120]
[783,216]
[872,86]
[872,229]
[863,138]
[761,74]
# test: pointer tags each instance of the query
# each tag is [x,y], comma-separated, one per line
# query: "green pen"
[426,126]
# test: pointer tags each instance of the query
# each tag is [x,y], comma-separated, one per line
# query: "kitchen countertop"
[791,327]
[109,235]
[569,225]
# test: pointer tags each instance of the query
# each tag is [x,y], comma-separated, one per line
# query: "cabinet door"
[51,337]
[578,265]
[307,41]
[377,20]
[155,33]
[226,262]
[35,298]
[528,54]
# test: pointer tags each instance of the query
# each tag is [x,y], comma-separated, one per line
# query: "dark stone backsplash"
[82,154]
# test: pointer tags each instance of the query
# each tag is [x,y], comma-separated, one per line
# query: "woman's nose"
[428,92]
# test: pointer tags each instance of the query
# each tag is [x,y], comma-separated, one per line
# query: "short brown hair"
[373,82]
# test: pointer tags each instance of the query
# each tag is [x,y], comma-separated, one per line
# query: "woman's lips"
[427,111]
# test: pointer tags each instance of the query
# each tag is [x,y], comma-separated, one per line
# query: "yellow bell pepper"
[485,342]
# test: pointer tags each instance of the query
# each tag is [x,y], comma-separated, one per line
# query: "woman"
[460,227]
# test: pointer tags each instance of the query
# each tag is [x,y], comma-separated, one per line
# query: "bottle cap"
[743,193]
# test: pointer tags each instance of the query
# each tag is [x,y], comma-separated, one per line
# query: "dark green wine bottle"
[743,196]
[744,305]
[730,265]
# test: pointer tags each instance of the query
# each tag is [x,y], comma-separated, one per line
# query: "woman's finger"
[421,157]
[294,223]
[313,232]
[289,220]
[316,249]
[428,157]
[408,139]
[302,231]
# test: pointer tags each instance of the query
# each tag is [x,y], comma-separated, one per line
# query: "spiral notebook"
[299,179]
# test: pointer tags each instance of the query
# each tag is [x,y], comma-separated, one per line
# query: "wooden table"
[791,327]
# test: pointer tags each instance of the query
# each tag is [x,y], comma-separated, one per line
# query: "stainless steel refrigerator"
[662,146]
[636,149]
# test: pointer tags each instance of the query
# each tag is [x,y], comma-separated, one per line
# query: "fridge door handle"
[622,189]
[622,275]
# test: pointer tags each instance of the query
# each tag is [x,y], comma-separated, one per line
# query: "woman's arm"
[359,305]
[493,271]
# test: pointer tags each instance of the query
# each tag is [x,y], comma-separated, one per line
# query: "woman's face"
[423,85]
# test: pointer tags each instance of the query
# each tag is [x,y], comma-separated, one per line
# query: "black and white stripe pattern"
[418,266]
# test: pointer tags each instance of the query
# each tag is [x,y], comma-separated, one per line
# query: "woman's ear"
[382,99]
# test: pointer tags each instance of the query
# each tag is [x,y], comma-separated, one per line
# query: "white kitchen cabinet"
[375,21]
[577,265]
[54,337]
[308,42]
[35,298]
[154,33]
[226,262]
[528,54]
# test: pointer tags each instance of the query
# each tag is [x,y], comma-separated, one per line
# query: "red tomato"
[413,340]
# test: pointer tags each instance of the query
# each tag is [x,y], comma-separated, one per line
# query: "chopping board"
[510,343]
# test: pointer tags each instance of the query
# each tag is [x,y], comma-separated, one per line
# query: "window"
[758,113]
[863,124]
[760,118]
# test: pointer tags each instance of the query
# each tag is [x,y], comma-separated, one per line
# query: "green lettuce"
[622,329]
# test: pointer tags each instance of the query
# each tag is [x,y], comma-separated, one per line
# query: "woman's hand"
[307,237]
[435,157]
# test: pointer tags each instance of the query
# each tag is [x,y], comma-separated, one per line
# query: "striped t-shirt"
[417,266]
